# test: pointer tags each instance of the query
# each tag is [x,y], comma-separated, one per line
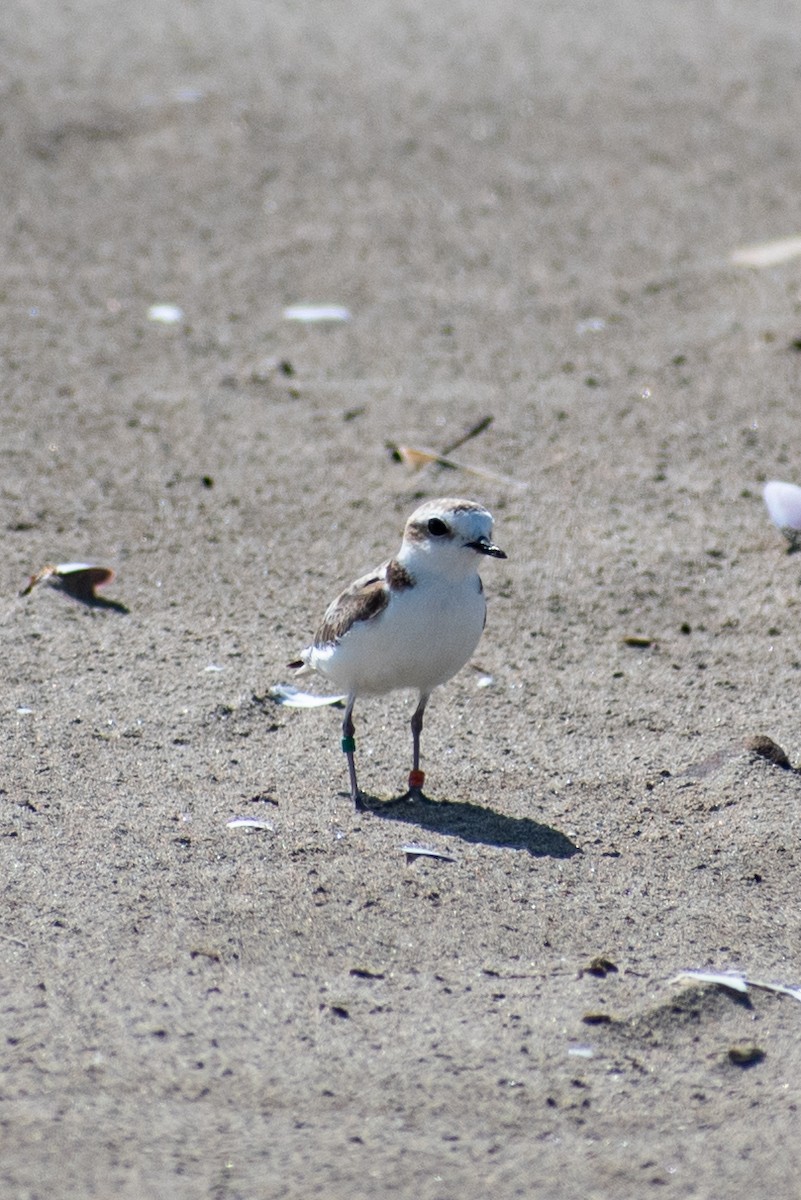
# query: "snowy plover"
[413,623]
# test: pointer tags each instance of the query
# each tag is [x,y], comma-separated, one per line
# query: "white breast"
[424,636]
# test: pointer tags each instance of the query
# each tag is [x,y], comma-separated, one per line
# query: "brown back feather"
[363,600]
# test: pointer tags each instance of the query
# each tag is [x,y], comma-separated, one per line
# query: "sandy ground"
[529,211]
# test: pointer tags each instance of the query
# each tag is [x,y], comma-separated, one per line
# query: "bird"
[412,623]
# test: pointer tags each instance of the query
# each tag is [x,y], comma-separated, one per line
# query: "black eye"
[437,528]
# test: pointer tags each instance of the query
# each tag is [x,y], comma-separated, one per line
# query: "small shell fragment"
[165,314]
[783,501]
[413,852]
[726,979]
[581,1051]
[292,697]
[77,579]
[768,254]
[738,983]
[311,313]
[250,823]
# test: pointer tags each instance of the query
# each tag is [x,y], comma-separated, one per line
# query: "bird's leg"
[349,746]
[416,776]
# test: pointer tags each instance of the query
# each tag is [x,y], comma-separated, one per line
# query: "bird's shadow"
[85,594]
[473,823]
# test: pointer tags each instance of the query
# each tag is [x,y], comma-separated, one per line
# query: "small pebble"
[765,747]
[746,1056]
[600,967]
[597,1018]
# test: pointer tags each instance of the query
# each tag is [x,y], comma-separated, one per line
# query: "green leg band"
[349,745]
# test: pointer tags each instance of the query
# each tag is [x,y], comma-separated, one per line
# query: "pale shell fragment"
[71,568]
[77,578]
[250,823]
[316,312]
[768,254]
[783,501]
[165,314]
[728,979]
[581,1051]
[738,983]
[413,852]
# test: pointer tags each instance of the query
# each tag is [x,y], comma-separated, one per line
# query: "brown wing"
[364,599]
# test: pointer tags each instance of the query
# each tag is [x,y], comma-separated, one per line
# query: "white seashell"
[165,314]
[250,823]
[783,502]
[413,852]
[728,979]
[736,982]
[768,254]
[79,579]
[72,567]
[316,312]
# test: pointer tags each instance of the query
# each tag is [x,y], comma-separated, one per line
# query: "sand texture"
[529,212]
